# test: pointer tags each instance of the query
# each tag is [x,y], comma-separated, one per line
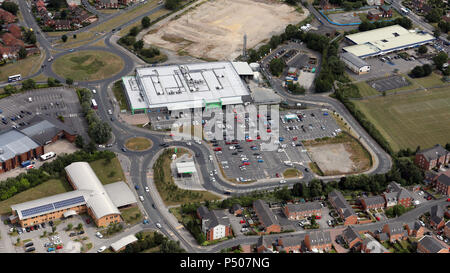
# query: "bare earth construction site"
[215,29]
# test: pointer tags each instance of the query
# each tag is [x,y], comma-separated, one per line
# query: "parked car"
[50,249]
[158,225]
[80,232]
[72,234]
[29,244]
[101,249]
[99,235]
[30,249]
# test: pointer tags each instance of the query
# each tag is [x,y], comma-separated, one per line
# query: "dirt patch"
[340,155]
[215,29]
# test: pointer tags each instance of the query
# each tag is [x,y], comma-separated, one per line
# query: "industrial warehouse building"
[28,142]
[354,63]
[385,40]
[102,203]
[182,87]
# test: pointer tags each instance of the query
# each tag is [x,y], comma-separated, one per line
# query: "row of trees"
[48,170]
[98,130]
[149,241]
[402,21]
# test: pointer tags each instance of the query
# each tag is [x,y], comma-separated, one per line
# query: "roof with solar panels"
[88,191]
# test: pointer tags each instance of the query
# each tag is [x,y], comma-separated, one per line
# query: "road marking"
[179,227]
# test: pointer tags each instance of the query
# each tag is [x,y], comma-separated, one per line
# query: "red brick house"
[108,4]
[290,244]
[397,195]
[302,210]
[62,25]
[374,14]
[395,231]
[415,229]
[372,202]
[433,157]
[345,211]
[429,244]
[264,245]
[437,217]
[7,17]
[443,184]
[352,237]
[237,209]
[386,11]
[9,40]
[318,240]
[15,31]
[266,217]
[216,225]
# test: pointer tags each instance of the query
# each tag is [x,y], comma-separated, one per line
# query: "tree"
[145,22]
[29,37]
[28,84]
[423,49]
[10,89]
[313,220]
[417,71]
[22,53]
[437,32]
[128,40]
[172,4]
[74,36]
[427,70]
[69,81]
[51,82]
[69,227]
[134,31]
[434,15]
[10,7]
[79,143]
[63,14]
[64,38]
[276,66]
[138,45]
[440,59]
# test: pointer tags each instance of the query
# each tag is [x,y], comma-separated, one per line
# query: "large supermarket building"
[187,86]
[385,40]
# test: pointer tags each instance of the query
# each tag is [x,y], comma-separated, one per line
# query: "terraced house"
[435,156]
[397,195]
[318,241]
[302,210]
[352,237]
[266,217]
[429,244]
[373,202]
[344,209]
[443,184]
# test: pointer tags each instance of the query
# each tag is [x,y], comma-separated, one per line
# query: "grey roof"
[14,143]
[265,241]
[373,200]
[307,206]
[215,218]
[42,130]
[353,59]
[202,211]
[319,237]
[236,207]
[373,245]
[287,241]
[444,179]
[434,152]
[395,228]
[436,214]
[396,192]
[265,214]
[350,234]
[120,194]
[383,236]
[341,203]
[431,244]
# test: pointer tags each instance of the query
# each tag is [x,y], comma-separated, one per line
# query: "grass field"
[289,173]
[88,65]
[119,93]
[129,215]
[408,120]
[108,173]
[138,143]
[48,188]
[24,67]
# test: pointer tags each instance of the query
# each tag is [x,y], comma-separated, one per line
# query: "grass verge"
[108,172]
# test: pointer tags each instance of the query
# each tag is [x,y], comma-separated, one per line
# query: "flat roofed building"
[120,194]
[186,167]
[385,40]
[122,243]
[187,86]
[354,63]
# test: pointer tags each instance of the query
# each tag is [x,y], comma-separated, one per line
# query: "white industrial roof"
[84,178]
[186,167]
[123,242]
[14,143]
[134,93]
[386,39]
[243,68]
[120,194]
[188,85]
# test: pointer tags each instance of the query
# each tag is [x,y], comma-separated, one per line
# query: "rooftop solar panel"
[69,202]
[37,210]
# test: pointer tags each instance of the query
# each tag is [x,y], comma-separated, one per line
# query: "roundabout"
[138,144]
[88,65]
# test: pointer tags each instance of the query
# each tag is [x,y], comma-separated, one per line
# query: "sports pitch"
[408,120]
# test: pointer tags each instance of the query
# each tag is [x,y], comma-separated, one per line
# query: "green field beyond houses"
[408,120]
